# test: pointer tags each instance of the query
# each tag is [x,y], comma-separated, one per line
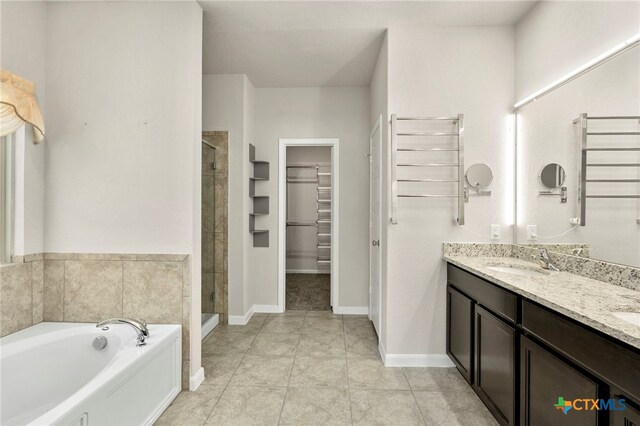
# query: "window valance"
[18,105]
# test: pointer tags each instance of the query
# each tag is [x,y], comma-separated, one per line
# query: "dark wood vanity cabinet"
[495,360]
[460,332]
[543,379]
[629,417]
[520,357]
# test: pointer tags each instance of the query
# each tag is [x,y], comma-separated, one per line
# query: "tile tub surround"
[280,369]
[215,197]
[21,293]
[90,287]
[585,300]
[611,273]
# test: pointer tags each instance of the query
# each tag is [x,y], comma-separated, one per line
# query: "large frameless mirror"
[581,141]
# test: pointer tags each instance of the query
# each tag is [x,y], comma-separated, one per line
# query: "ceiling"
[324,43]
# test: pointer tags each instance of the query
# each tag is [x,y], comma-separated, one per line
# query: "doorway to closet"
[308,210]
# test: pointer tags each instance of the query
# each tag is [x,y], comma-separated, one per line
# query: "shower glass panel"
[208,231]
[215,202]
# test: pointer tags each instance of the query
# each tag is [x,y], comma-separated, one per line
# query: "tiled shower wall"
[86,287]
[214,224]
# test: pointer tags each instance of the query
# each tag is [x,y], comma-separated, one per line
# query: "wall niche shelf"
[260,202]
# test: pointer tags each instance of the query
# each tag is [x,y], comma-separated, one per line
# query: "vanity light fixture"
[598,60]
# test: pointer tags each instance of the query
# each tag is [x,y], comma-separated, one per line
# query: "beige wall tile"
[33,257]
[92,290]
[37,291]
[208,287]
[61,256]
[162,257]
[153,291]
[53,301]
[208,257]
[185,374]
[220,244]
[208,204]
[186,327]
[186,277]
[15,298]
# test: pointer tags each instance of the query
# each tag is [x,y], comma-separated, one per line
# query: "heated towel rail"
[425,139]
[585,164]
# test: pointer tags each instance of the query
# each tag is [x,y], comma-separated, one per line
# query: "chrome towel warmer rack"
[583,121]
[458,121]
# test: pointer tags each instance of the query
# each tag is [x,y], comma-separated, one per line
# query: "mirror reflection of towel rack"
[584,133]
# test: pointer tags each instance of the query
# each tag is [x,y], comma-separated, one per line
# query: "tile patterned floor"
[317,368]
[308,292]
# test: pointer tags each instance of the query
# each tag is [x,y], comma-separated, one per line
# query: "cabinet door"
[544,378]
[460,332]
[495,365]
[629,417]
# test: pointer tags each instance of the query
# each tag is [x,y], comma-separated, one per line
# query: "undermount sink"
[630,317]
[519,270]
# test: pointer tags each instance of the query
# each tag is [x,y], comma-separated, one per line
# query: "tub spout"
[139,326]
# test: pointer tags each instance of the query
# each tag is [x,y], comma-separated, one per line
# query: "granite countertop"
[585,300]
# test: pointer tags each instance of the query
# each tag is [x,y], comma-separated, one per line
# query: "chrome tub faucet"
[140,326]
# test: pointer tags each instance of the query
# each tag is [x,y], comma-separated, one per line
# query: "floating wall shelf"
[260,202]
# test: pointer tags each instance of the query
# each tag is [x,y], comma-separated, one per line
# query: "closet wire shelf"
[458,122]
[323,209]
[584,134]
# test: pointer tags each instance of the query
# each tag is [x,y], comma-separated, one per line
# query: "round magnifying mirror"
[552,176]
[479,176]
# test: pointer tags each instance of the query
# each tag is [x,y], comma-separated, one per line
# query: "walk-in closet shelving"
[322,182]
[260,203]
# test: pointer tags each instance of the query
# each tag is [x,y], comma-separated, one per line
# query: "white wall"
[302,241]
[340,112]
[121,102]
[23,34]
[224,109]
[442,72]
[248,121]
[556,37]
[124,125]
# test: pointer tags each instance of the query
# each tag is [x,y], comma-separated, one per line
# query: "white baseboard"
[196,380]
[265,309]
[305,271]
[260,309]
[241,319]
[351,310]
[413,360]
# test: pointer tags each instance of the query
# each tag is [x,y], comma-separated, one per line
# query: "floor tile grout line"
[424,421]
[229,382]
[295,354]
[346,361]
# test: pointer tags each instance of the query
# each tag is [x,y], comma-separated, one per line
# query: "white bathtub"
[51,374]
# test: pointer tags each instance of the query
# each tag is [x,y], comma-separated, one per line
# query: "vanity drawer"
[612,362]
[500,301]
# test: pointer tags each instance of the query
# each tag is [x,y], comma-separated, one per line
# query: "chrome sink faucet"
[544,260]
[139,326]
